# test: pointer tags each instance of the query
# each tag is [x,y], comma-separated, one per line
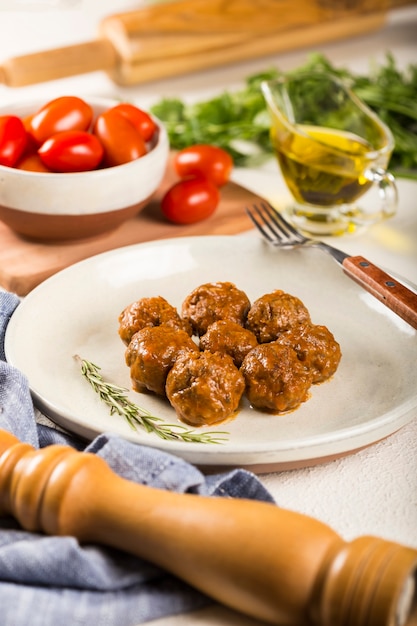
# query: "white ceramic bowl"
[57,207]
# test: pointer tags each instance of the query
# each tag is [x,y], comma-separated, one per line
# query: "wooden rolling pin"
[275,565]
[173,38]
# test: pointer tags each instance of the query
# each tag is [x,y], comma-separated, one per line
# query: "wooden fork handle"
[384,287]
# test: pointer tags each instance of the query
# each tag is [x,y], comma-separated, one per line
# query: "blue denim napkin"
[47,581]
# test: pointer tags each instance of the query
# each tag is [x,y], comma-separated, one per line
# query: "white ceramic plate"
[372,394]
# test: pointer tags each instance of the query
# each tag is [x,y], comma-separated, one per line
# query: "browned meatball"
[274,313]
[276,380]
[152,352]
[146,312]
[316,347]
[215,301]
[228,338]
[204,388]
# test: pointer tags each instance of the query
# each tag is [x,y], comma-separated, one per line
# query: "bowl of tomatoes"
[75,168]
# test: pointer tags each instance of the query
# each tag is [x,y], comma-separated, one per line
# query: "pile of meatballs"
[221,347]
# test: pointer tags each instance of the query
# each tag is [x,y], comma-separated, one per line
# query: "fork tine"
[271,216]
[273,229]
[260,222]
[281,223]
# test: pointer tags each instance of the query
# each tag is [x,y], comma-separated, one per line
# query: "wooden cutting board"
[169,39]
[25,264]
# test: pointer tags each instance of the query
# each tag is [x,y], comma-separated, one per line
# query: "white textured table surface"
[375,490]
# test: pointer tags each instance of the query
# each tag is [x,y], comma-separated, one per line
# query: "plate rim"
[385,424]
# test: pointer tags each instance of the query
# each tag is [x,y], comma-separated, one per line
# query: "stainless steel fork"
[280,233]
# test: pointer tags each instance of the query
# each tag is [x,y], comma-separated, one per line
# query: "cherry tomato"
[12,139]
[62,114]
[190,200]
[203,159]
[141,120]
[120,139]
[71,151]
[26,121]
[32,163]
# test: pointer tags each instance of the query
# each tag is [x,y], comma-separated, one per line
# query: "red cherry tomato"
[32,163]
[12,139]
[26,121]
[71,151]
[59,115]
[120,139]
[190,200]
[202,159]
[141,120]
[31,144]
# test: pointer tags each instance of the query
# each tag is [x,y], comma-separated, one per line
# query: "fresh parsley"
[239,122]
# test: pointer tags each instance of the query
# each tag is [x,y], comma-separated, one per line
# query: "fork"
[278,232]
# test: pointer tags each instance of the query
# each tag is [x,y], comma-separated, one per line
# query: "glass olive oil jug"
[331,149]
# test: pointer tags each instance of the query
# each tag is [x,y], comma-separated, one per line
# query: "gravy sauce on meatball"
[274,313]
[204,388]
[276,380]
[152,352]
[316,348]
[148,312]
[215,301]
[229,338]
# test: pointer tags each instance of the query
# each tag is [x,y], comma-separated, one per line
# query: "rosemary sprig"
[116,398]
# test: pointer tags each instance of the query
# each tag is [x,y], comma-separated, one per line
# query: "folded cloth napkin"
[46,581]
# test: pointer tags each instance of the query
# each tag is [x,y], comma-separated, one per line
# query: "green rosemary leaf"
[119,403]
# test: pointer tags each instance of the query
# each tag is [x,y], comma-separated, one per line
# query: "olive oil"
[322,166]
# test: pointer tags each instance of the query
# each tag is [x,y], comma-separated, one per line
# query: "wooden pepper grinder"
[275,565]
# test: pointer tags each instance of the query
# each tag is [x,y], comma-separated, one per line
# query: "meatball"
[229,338]
[276,380]
[316,347]
[274,313]
[152,352]
[149,312]
[215,301]
[204,388]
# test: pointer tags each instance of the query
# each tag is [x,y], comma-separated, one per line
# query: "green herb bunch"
[235,121]
[392,94]
[239,122]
